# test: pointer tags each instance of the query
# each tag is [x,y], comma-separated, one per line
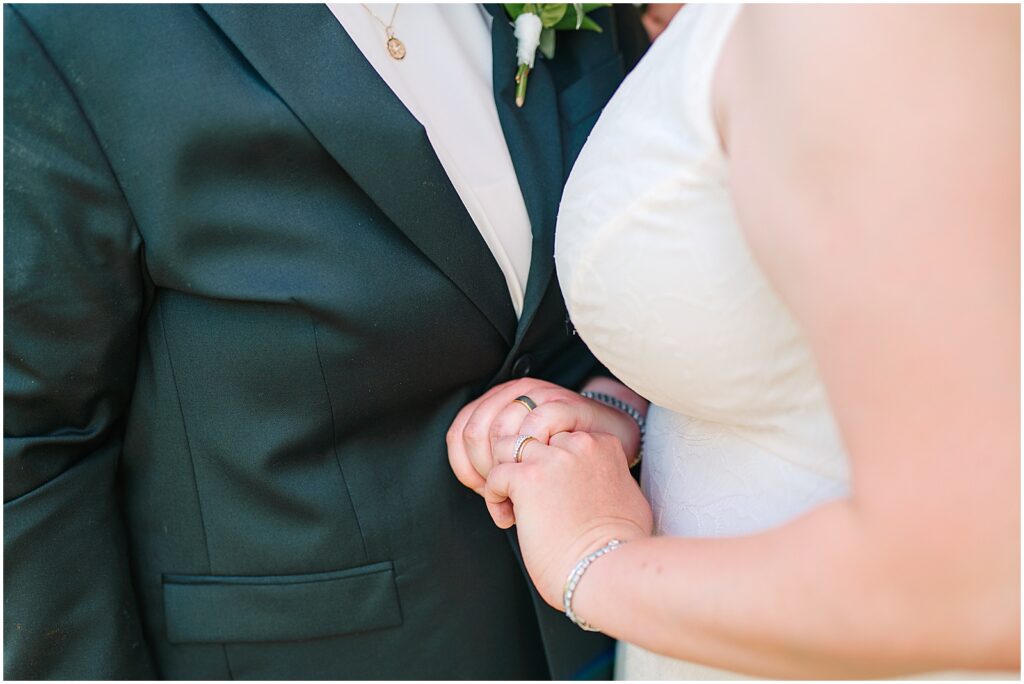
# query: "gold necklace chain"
[395,47]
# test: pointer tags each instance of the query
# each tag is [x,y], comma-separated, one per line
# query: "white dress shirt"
[445,81]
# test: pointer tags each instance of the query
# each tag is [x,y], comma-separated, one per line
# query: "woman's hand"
[495,419]
[570,498]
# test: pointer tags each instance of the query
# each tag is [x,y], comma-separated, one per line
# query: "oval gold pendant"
[396,48]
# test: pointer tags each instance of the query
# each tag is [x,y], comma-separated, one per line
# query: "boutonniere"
[536,24]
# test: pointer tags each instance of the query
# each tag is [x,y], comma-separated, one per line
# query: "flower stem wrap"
[535,25]
[527,32]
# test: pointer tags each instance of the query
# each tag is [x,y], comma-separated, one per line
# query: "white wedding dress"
[663,288]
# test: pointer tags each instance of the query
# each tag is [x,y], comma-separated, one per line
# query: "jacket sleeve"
[73,293]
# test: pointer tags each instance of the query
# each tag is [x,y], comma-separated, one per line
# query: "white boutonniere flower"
[535,26]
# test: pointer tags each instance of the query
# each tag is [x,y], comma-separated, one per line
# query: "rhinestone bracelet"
[616,403]
[574,578]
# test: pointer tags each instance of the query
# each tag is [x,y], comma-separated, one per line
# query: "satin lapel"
[305,55]
[533,134]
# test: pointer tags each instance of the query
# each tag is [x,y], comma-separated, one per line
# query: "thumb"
[496,494]
[502,514]
[499,482]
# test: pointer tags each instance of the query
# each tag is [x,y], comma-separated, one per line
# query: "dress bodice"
[661,285]
[656,272]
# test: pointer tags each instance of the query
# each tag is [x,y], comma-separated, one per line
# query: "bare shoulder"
[808,44]
[806,69]
[833,114]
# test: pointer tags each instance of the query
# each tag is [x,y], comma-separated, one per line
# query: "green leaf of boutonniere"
[514,9]
[576,17]
[551,14]
[547,43]
[535,27]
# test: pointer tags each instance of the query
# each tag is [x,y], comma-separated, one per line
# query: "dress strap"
[699,32]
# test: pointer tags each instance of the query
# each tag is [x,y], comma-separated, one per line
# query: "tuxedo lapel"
[304,54]
[533,135]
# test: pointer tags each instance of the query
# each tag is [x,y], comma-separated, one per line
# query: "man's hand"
[495,417]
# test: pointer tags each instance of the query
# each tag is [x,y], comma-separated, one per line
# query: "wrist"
[619,424]
[586,544]
[625,421]
[600,582]
[576,576]
[585,573]
[616,389]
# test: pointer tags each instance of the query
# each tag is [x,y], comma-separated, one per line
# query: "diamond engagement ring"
[521,442]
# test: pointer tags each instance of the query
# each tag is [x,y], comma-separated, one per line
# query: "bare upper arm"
[874,154]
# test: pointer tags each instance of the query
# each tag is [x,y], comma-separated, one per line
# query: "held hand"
[570,498]
[496,417]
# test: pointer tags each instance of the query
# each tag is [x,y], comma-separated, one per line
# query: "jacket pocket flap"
[214,608]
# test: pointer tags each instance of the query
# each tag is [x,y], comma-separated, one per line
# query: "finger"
[510,419]
[469,463]
[458,457]
[505,450]
[556,416]
[577,443]
[506,423]
[464,471]
[468,457]
[496,492]
[499,483]
[502,514]
[590,445]
[462,417]
[477,433]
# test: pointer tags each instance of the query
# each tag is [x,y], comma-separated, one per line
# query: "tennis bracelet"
[574,578]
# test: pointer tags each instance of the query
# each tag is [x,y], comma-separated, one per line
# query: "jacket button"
[523,366]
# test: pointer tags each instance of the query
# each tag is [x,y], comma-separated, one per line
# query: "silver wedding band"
[521,442]
[526,401]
